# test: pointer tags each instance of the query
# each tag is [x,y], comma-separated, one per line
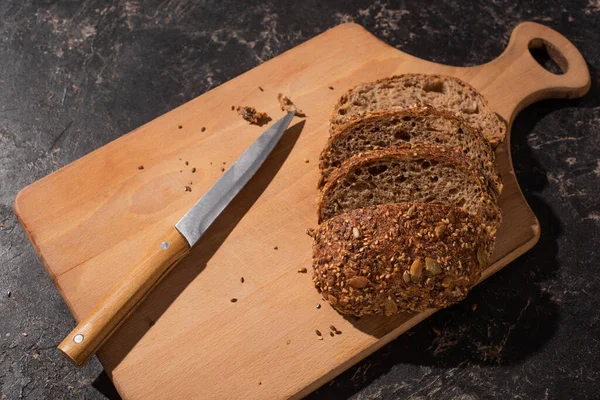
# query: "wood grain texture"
[93,219]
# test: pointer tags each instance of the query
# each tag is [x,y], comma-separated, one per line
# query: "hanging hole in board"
[548,56]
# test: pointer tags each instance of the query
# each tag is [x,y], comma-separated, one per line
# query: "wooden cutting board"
[93,219]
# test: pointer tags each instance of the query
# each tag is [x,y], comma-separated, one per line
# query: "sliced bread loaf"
[425,174]
[438,91]
[409,127]
[399,258]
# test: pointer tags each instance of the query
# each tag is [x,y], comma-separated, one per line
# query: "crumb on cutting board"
[288,105]
[251,115]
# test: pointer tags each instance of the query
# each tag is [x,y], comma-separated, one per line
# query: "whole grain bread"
[408,90]
[409,127]
[405,257]
[425,174]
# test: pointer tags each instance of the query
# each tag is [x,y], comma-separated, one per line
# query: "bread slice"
[425,174]
[399,258]
[409,127]
[438,91]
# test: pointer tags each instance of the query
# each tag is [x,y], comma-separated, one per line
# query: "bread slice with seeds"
[409,127]
[438,91]
[399,257]
[425,174]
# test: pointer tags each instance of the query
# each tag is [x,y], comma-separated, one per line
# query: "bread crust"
[495,138]
[403,257]
[343,131]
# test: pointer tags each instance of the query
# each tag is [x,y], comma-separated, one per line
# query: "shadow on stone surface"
[104,385]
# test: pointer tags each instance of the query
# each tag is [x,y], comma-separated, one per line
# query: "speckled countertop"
[76,75]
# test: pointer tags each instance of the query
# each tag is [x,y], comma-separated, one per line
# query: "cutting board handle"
[517,73]
[91,333]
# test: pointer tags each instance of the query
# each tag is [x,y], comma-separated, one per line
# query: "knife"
[91,333]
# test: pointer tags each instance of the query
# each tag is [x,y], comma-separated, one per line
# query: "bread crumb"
[288,341]
[187,189]
[141,167]
[474,306]
[330,87]
[306,160]
[203,129]
[436,331]
[251,115]
[222,169]
[302,270]
[261,89]
[310,232]
[275,248]
[288,105]
[242,279]
[234,300]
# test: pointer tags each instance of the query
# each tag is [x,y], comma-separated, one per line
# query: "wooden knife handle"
[83,342]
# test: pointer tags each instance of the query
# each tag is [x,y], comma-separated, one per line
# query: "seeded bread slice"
[438,91]
[424,174]
[404,257]
[409,127]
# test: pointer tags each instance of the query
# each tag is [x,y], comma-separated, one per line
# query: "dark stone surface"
[76,75]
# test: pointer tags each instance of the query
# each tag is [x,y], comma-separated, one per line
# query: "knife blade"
[193,224]
[114,308]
